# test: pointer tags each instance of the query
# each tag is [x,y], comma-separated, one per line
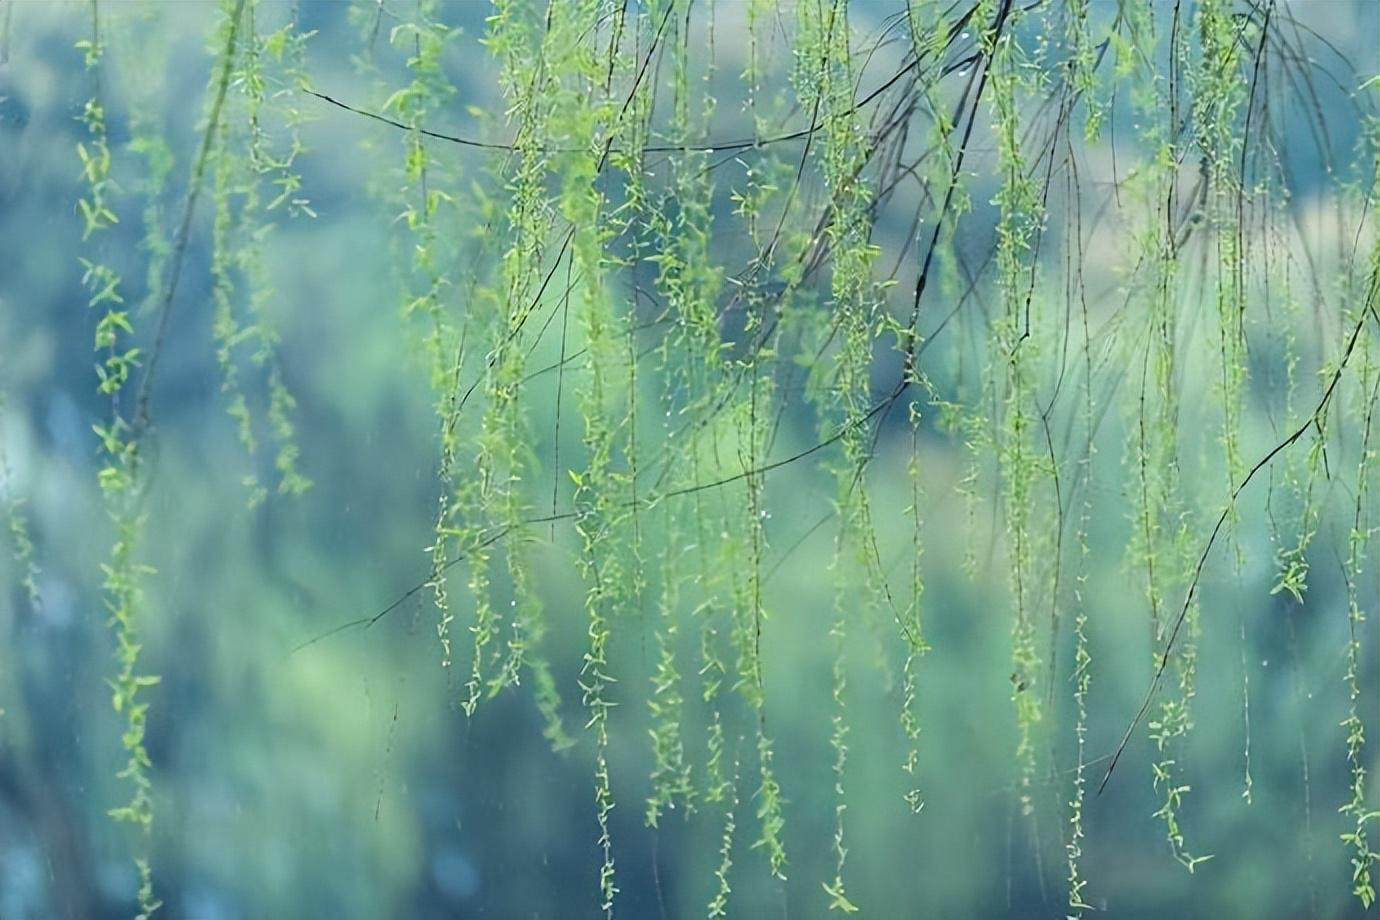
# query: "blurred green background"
[341,780]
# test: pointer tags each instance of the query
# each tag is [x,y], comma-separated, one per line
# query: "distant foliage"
[1104,290]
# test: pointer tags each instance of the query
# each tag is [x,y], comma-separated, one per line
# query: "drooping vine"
[1359,539]
[17,524]
[722,303]
[119,478]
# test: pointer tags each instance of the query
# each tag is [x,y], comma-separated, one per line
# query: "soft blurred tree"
[749,331]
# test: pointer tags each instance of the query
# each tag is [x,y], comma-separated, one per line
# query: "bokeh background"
[341,779]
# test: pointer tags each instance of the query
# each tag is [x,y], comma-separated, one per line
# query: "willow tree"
[1108,273]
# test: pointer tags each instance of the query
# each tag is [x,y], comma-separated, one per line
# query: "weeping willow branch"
[1315,419]
[142,418]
